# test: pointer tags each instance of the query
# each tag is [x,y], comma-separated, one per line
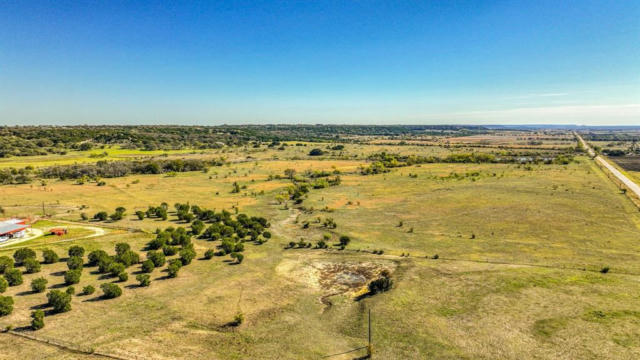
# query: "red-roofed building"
[14,228]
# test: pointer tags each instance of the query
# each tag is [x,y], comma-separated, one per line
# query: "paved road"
[633,187]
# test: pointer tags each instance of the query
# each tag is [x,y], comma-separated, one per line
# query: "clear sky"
[364,61]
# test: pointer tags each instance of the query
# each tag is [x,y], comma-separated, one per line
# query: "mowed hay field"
[517,275]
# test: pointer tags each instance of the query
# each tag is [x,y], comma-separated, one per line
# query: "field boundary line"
[67,347]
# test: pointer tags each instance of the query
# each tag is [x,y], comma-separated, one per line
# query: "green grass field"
[518,275]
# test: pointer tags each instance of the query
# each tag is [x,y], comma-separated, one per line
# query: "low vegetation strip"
[106,169]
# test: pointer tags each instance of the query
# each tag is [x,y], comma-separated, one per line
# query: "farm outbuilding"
[14,228]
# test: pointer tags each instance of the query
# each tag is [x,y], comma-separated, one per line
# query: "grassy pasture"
[538,227]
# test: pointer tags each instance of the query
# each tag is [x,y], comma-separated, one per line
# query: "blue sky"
[365,62]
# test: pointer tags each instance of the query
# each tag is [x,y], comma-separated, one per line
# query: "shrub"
[140,215]
[144,279]
[238,256]
[76,250]
[88,290]
[238,319]
[209,254]
[128,258]
[3,285]
[316,152]
[60,301]
[115,268]
[23,254]
[37,320]
[148,266]
[187,255]
[13,276]
[104,264]
[6,305]
[5,263]
[110,290]
[101,216]
[173,268]
[32,265]
[344,240]
[95,256]
[74,263]
[381,284]
[49,256]
[157,258]
[435,257]
[39,284]
[122,248]
[169,250]
[72,276]
[604,270]
[197,227]
[123,276]
[71,290]
[84,216]
[266,235]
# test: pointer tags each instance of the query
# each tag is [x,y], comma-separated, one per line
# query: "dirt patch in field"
[335,277]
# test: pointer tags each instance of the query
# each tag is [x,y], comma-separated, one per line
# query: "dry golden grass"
[517,289]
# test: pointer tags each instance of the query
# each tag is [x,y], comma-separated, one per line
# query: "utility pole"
[370,347]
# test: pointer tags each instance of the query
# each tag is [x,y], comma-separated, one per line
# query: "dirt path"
[628,183]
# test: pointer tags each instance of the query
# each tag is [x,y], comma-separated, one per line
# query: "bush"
[123,276]
[122,248]
[5,263]
[381,284]
[140,215]
[37,320]
[116,268]
[604,270]
[156,257]
[95,256]
[71,290]
[316,152]
[23,254]
[209,254]
[128,258]
[169,250]
[74,263]
[6,305]
[344,240]
[88,290]
[186,255]
[197,227]
[76,250]
[173,268]
[104,264]
[238,319]
[72,276]
[101,216]
[32,265]
[266,235]
[148,266]
[39,284]
[238,256]
[3,285]
[144,279]
[49,256]
[110,290]
[13,276]
[60,301]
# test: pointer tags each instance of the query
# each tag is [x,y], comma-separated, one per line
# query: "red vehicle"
[58,231]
